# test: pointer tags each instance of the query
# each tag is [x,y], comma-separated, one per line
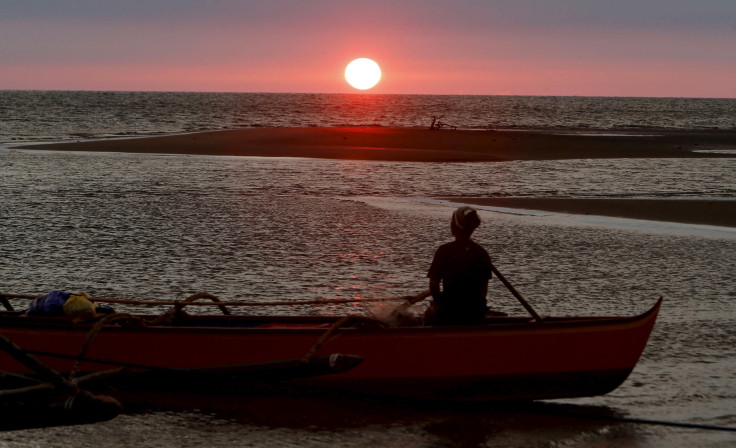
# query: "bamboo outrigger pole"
[219,303]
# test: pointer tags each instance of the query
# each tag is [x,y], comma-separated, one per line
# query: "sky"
[654,48]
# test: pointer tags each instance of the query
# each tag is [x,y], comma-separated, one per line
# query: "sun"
[363,73]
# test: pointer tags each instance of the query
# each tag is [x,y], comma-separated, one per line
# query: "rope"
[322,339]
[167,317]
[330,331]
[203,295]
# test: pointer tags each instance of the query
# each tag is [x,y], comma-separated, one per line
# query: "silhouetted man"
[459,274]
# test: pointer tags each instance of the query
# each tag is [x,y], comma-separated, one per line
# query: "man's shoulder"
[480,250]
[478,246]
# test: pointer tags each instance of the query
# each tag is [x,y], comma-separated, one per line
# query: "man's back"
[464,269]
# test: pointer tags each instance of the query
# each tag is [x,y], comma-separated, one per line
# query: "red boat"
[506,358]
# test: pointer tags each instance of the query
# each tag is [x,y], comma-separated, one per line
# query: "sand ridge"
[419,145]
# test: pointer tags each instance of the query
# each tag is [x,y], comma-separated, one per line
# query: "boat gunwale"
[10,319]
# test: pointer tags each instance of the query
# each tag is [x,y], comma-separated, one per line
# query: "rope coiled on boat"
[330,331]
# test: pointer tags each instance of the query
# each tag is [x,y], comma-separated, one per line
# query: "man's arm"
[434,289]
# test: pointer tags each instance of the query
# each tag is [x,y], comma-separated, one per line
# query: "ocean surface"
[263,229]
[62,115]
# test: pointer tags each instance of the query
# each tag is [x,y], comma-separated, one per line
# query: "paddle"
[516,294]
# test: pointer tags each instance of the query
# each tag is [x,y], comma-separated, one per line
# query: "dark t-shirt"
[464,269]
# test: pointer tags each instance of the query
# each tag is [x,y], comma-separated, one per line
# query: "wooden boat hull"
[506,359]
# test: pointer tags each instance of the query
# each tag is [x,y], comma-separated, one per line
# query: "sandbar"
[420,145]
[688,211]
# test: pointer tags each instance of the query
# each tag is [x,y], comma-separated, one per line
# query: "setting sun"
[363,73]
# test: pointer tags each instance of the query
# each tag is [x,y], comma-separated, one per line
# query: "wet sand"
[420,145]
[423,145]
[695,211]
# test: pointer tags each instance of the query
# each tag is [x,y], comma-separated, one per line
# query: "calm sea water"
[134,225]
[54,115]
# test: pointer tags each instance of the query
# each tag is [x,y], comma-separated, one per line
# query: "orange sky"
[466,47]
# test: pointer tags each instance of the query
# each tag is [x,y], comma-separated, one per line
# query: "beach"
[423,145]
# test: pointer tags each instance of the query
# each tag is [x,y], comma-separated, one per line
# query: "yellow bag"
[79,308]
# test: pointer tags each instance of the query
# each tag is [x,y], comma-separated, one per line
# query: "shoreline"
[419,144]
[713,212]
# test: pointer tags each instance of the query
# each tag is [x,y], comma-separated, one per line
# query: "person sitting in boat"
[459,275]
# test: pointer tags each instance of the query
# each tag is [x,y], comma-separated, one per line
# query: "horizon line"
[364,93]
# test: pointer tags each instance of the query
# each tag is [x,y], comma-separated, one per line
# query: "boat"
[504,358]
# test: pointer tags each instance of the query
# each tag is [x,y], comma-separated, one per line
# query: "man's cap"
[466,219]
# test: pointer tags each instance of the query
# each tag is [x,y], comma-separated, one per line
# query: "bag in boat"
[79,308]
[52,304]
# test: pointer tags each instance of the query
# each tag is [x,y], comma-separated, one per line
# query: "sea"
[261,229]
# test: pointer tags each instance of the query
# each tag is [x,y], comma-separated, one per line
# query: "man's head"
[464,221]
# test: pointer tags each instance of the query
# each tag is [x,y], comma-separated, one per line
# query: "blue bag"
[52,304]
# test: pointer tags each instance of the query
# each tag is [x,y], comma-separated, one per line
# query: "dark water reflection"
[314,421]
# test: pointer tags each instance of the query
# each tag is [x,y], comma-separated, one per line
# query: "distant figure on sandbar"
[459,275]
